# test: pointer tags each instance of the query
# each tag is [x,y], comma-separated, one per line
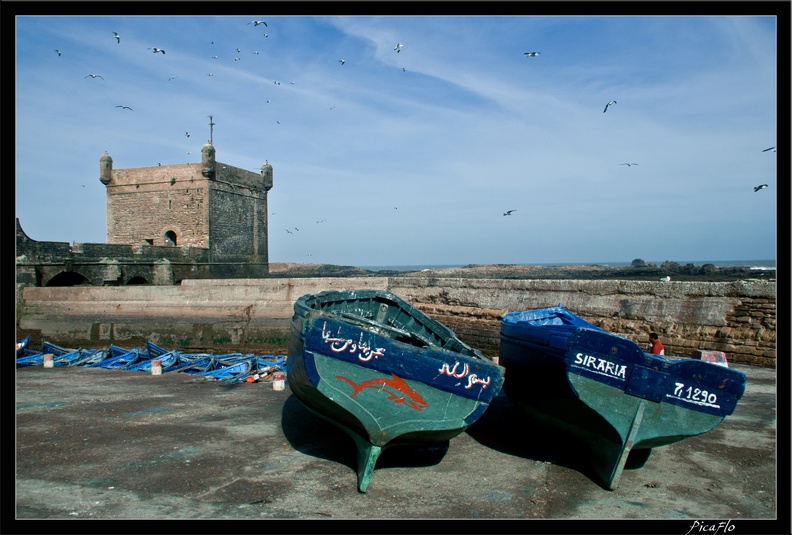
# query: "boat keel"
[617,467]
[367,455]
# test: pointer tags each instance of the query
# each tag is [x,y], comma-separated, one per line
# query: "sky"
[410,155]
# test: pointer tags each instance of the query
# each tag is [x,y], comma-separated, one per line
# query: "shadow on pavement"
[311,435]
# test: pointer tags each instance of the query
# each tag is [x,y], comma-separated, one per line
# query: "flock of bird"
[611,103]
[158,50]
[763,186]
[397,48]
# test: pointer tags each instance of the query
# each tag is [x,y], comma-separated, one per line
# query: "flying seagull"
[125,108]
[398,47]
[118,37]
[532,54]
[58,52]
[155,50]
[257,22]
[93,76]
[341,61]
[628,164]
[187,134]
[769,148]
[608,105]
[509,212]
[761,186]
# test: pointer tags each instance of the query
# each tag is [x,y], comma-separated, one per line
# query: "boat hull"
[603,390]
[385,392]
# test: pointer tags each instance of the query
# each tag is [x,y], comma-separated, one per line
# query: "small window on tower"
[170,238]
[169,204]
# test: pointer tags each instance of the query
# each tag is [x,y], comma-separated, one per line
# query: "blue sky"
[411,157]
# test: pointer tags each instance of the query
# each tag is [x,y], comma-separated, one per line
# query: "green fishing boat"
[615,400]
[385,373]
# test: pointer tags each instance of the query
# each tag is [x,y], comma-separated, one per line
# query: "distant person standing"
[655,345]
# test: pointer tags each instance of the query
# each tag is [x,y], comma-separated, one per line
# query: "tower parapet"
[208,161]
[105,168]
[266,175]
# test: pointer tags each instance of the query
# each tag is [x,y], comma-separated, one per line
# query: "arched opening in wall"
[170,238]
[136,280]
[69,278]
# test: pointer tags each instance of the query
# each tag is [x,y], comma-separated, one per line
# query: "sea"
[760,265]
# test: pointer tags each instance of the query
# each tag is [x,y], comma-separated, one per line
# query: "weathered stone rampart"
[738,318]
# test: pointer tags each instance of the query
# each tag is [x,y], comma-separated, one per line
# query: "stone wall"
[144,203]
[40,263]
[738,318]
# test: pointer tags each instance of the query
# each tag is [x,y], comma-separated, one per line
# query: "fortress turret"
[105,168]
[266,174]
[208,161]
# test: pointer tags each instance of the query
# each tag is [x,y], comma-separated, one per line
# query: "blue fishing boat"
[91,356]
[118,358]
[62,356]
[230,371]
[22,346]
[168,361]
[154,351]
[606,392]
[26,356]
[385,373]
[194,363]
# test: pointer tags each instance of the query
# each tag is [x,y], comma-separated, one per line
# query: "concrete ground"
[95,444]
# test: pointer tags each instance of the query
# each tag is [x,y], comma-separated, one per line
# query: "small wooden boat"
[154,351]
[385,373]
[25,356]
[118,358]
[194,363]
[168,361]
[605,391]
[90,357]
[62,356]
[230,371]
[21,346]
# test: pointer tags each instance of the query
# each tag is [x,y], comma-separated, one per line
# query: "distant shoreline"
[671,271]
[752,264]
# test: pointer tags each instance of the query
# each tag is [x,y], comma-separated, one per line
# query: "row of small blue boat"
[229,367]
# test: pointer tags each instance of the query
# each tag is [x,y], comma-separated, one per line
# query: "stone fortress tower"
[165,224]
[207,205]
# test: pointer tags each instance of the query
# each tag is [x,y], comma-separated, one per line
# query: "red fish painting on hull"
[403,393]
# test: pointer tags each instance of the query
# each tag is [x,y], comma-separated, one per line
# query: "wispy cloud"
[411,157]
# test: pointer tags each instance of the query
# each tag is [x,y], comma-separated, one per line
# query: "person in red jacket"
[655,345]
